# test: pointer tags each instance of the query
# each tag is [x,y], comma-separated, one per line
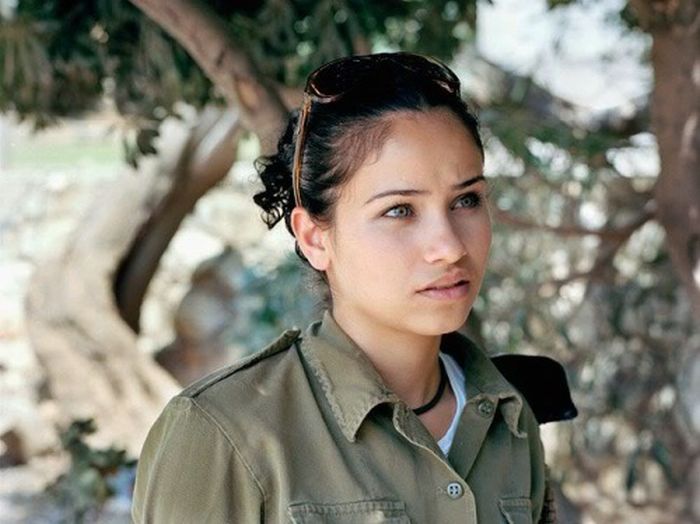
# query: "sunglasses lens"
[342,75]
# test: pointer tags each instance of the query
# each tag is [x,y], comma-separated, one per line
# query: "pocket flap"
[361,511]
[516,510]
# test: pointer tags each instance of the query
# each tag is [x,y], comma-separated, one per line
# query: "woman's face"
[384,247]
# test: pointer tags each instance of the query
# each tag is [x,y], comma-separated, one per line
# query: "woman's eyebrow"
[461,185]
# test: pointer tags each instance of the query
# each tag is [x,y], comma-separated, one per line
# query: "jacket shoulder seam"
[281,343]
[231,443]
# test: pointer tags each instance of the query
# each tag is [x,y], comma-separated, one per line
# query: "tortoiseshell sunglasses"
[332,80]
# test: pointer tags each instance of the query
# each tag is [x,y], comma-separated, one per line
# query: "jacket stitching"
[278,345]
[327,387]
[228,439]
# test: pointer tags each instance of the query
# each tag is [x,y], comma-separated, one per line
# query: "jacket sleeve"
[190,471]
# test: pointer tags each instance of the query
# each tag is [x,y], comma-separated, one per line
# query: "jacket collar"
[483,380]
[353,387]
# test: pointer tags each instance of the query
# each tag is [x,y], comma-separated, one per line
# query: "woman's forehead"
[424,151]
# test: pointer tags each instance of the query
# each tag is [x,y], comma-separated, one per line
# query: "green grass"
[40,154]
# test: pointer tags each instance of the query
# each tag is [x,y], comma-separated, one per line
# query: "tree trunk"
[205,159]
[92,365]
[675,56]
[209,41]
[203,318]
[676,123]
[89,354]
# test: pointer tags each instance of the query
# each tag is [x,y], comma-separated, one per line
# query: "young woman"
[380,411]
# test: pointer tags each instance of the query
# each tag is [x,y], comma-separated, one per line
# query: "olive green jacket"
[305,431]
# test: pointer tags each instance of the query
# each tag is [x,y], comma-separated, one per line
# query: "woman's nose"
[444,241]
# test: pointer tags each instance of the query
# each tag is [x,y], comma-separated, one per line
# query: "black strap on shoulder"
[542,381]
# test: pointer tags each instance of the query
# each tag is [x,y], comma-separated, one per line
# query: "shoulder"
[231,392]
[254,395]
[256,363]
[205,431]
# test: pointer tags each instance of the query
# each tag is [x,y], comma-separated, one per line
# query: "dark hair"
[340,137]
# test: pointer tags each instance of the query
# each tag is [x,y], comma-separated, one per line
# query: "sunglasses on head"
[331,81]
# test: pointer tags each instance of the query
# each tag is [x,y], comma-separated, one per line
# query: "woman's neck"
[407,362]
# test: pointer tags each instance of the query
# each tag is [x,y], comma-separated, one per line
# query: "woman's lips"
[459,290]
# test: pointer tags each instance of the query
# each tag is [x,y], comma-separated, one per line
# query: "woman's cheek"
[385,235]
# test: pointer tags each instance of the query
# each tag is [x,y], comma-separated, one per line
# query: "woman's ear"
[311,238]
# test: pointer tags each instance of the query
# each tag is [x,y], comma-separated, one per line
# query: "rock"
[13,453]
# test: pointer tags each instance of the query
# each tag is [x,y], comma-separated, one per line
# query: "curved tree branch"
[209,41]
[612,234]
[203,161]
[493,83]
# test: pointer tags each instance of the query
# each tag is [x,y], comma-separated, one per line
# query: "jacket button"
[485,408]
[454,490]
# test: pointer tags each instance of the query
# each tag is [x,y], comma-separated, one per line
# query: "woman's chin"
[441,322]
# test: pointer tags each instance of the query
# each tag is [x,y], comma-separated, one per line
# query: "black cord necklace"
[438,394]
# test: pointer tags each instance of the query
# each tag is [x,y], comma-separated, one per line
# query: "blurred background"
[133,260]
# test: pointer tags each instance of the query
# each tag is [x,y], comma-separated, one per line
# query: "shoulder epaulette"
[542,381]
[281,343]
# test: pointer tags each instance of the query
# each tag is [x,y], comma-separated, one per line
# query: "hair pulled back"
[340,136]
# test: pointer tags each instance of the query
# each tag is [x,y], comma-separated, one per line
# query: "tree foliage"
[93,475]
[60,58]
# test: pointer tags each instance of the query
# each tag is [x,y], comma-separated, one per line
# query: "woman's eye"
[400,207]
[470,199]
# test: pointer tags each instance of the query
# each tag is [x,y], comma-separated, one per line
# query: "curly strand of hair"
[275,172]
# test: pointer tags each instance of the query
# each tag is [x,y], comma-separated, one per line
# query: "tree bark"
[89,355]
[203,161]
[675,57]
[210,43]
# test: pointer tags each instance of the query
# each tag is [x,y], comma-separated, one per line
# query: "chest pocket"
[359,512]
[516,510]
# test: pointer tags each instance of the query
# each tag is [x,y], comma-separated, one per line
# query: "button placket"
[465,509]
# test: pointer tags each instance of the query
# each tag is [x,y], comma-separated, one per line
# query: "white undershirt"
[456,377]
